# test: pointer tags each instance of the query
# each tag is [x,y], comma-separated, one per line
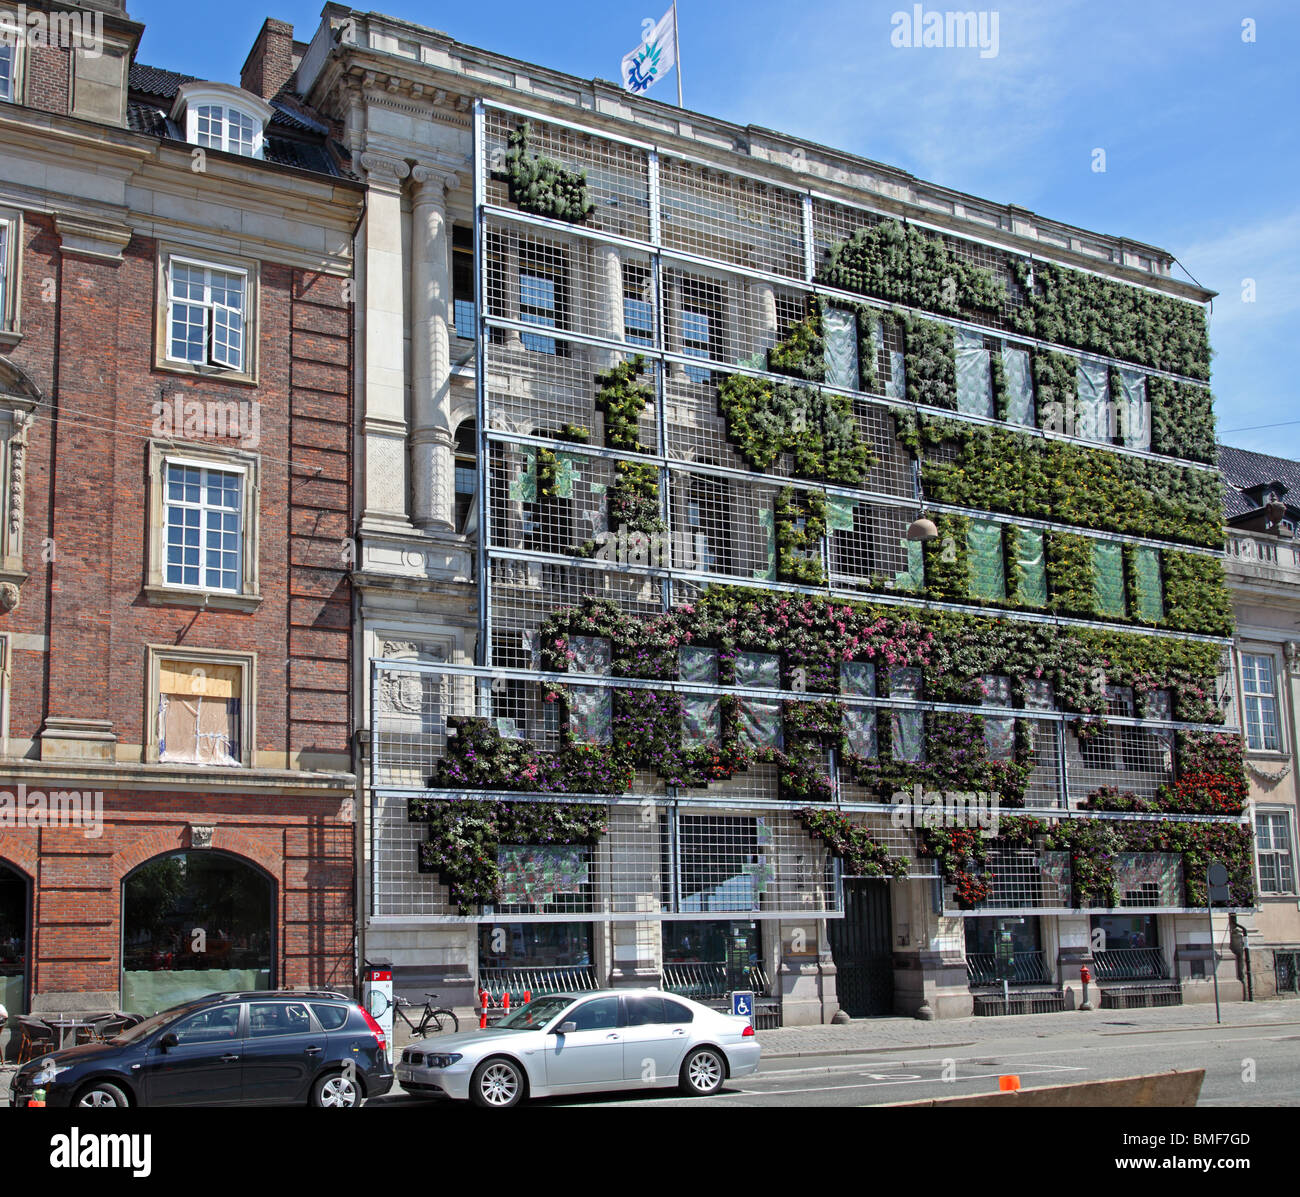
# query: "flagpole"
[677,49]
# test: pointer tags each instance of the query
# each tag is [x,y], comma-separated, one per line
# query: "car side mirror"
[168,1040]
[565,1028]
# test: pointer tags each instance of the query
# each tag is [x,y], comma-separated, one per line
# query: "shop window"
[535,945]
[1010,947]
[907,727]
[195,923]
[15,920]
[859,678]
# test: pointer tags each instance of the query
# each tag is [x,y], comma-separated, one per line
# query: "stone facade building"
[175,398]
[717,491]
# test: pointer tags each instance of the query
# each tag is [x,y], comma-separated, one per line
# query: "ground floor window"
[1126,947]
[710,958]
[535,945]
[194,923]
[1008,949]
[14,900]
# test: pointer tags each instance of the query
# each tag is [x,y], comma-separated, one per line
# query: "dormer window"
[217,116]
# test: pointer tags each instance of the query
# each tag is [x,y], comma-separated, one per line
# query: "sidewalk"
[870,1035]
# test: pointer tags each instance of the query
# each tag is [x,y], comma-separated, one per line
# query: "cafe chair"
[35,1039]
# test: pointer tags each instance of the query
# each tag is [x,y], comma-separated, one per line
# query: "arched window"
[15,930]
[219,116]
[195,923]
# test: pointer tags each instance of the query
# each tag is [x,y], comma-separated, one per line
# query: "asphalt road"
[1244,1066]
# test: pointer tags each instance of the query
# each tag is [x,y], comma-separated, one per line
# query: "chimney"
[270,62]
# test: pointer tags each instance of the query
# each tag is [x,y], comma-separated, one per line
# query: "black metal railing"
[1028,968]
[1130,964]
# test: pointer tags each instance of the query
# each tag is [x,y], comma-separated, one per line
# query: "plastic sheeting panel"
[767,521]
[840,331]
[1134,415]
[760,723]
[591,654]
[913,577]
[535,875]
[1108,577]
[1031,589]
[1093,422]
[896,383]
[1020,389]
[591,716]
[859,677]
[999,732]
[1150,597]
[11,995]
[758,671]
[698,665]
[907,727]
[974,379]
[987,575]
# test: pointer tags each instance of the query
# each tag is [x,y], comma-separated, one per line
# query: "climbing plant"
[800,520]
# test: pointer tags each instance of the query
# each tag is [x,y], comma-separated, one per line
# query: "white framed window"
[1259,701]
[221,127]
[207,314]
[218,116]
[1274,852]
[202,704]
[204,526]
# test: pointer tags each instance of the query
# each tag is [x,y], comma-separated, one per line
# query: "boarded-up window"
[1132,412]
[1093,420]
[907,728]
[199,713]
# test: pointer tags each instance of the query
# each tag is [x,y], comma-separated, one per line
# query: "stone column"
[762,302]
[432,445]
[607,276]
[381,337]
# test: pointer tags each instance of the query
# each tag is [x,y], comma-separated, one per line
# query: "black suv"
[266,1047]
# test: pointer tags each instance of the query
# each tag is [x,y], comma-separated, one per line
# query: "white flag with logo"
[655,57]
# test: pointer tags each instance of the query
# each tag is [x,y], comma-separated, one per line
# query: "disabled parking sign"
[742,1004]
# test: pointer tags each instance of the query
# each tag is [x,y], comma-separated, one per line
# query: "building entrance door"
[862,944]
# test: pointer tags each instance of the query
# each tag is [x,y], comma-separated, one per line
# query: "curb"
[865,1051]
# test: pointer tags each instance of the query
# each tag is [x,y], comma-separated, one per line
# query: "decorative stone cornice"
[92,238]
[435,179]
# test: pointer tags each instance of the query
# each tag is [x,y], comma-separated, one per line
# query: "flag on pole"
[655,57]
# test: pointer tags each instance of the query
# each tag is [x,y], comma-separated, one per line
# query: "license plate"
[404,1074]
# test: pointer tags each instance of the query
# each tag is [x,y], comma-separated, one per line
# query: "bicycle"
[433,1020]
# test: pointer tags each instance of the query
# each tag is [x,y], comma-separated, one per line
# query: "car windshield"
[537,1013]
[142,1030]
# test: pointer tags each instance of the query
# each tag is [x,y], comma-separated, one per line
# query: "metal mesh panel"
[617,175]
[1129,758]
[1024,879]
[731,219]
[869,550]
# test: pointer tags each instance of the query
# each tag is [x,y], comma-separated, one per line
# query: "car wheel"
[703,1073]
[101,1093]
[497,1084]
[336,1089]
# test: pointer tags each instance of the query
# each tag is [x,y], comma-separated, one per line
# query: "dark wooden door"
[862,944]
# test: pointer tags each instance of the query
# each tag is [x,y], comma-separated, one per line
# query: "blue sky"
[1199,126]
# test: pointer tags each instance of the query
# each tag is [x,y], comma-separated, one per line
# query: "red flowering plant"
[863,855]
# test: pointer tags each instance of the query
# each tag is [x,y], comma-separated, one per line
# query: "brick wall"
[48,72]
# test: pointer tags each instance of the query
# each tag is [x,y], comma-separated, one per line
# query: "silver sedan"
[573,1043]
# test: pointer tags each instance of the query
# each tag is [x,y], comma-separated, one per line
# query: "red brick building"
[177,788]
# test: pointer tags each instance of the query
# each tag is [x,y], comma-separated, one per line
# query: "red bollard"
[506,1002]
[528,996]
[483,1009]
